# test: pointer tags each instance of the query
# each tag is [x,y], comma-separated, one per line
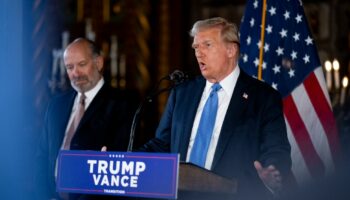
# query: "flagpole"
[262,38]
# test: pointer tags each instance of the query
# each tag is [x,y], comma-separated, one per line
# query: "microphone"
[177,77]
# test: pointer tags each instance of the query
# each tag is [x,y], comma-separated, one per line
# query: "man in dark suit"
[105,122]
[248,141]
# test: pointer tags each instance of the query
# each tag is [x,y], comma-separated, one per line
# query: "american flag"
[290,64]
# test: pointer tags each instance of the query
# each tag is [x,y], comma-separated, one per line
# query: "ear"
[99,63]
[232,50]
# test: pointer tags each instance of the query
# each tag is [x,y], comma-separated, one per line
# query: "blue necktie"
[205,128]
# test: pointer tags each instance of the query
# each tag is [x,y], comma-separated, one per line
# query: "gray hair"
[229,31]
[95,50]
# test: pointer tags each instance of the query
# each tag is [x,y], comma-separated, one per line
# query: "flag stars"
[266,47]
[291,73]
[285,48]
[245,58]
[264,65]
[249,40]
[294,55]
[276,69]
[255,4]
[256,62]
[308,40]
[286,15]
[298,18]
[272,11]
[279,51]
[283,33]
[269,29]
[252,22]
[306,58]
[274,85]
[296,37]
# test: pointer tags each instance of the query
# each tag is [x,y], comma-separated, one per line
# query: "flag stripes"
[302,137]
[324,112]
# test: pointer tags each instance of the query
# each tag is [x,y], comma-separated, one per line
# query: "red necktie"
[78,115]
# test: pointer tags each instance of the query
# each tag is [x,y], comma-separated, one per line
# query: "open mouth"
[201,65]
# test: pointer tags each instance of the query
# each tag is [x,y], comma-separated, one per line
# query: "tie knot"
[82,99]
[216,87]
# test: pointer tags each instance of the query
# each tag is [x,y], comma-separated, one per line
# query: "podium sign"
[153,175]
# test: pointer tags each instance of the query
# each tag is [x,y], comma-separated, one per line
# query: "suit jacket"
[106,122]
[253,129]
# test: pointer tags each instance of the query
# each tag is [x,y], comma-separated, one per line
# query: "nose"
[75,71]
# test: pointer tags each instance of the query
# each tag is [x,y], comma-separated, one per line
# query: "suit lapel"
[190,109]
[237,106]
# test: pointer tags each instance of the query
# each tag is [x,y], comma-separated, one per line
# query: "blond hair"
[229,31]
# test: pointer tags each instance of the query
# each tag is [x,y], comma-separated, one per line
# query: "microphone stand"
[155,92]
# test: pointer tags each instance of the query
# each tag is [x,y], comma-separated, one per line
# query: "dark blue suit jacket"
[253,129]
[106,122]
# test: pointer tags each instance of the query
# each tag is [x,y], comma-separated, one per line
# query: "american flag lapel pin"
[245,95]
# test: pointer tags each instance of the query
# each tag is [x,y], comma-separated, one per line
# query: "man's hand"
[104,148]
[270,176]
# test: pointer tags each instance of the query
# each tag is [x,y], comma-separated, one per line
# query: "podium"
[199,183]
[134,174]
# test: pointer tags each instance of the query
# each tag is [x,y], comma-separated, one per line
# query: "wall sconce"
[345,83]
[336,73]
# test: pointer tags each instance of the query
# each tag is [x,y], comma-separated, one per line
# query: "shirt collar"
[90,95]
[227,84]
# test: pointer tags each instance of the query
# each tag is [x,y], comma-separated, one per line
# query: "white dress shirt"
[224,95]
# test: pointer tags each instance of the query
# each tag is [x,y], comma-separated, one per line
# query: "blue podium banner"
[153,175]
